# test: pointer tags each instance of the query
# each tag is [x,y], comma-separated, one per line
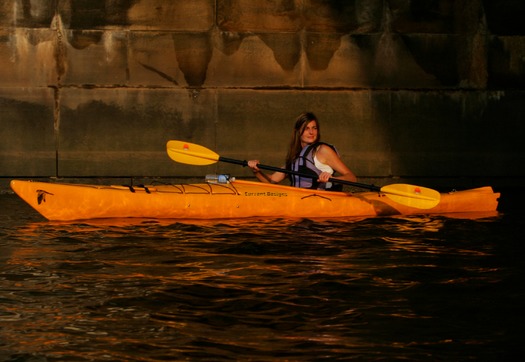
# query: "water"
[381,289]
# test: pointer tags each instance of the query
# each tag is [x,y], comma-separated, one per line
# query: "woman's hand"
[324,176]
[253,165]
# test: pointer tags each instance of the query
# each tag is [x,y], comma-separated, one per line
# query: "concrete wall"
[408,89]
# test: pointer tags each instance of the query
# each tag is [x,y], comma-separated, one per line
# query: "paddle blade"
[190,153]
[412,196]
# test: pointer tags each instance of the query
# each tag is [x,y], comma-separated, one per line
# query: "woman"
[308,155]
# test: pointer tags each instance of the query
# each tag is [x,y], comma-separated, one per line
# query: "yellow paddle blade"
[190,153]
[412,196]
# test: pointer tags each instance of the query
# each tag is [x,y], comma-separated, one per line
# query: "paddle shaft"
[404,194]
[300,174]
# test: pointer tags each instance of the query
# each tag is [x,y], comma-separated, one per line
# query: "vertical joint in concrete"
[60,66]
[60,49]
[56,125]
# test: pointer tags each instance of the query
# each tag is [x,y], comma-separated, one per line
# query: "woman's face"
[310,133]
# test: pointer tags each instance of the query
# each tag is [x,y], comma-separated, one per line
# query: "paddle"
[405,194]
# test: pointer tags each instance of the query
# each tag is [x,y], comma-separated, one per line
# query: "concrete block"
[436,17]
[505,17]
[96,57]
[27,132]
[342,17]
[331,60]
[27,57]
[193,52]
[263,60]
[253,125]
[178,15]
[355,122]
[506,62]
[27,14]
[454,134]
[6,14]
[107,132]
[152,60]
[95,14]
[420,61]
[259,16]
[424,134]
[501,132]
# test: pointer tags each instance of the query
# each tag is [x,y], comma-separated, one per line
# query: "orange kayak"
[235,199]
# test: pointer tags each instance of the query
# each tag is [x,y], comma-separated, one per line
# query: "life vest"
[305,164]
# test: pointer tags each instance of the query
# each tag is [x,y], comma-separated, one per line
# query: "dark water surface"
[425,288]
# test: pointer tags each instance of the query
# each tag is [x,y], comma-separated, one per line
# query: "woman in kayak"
[307,155]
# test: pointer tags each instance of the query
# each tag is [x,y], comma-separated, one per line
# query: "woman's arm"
[274,178]
[328,156]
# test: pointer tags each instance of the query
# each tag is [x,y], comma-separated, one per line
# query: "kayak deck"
[236,199]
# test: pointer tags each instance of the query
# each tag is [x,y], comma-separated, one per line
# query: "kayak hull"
[237,199]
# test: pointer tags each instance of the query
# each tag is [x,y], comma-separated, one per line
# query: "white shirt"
[324,168]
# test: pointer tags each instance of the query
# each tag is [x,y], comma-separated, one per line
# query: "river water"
[419,288]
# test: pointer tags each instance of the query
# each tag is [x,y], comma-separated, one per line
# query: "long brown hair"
[295,144]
